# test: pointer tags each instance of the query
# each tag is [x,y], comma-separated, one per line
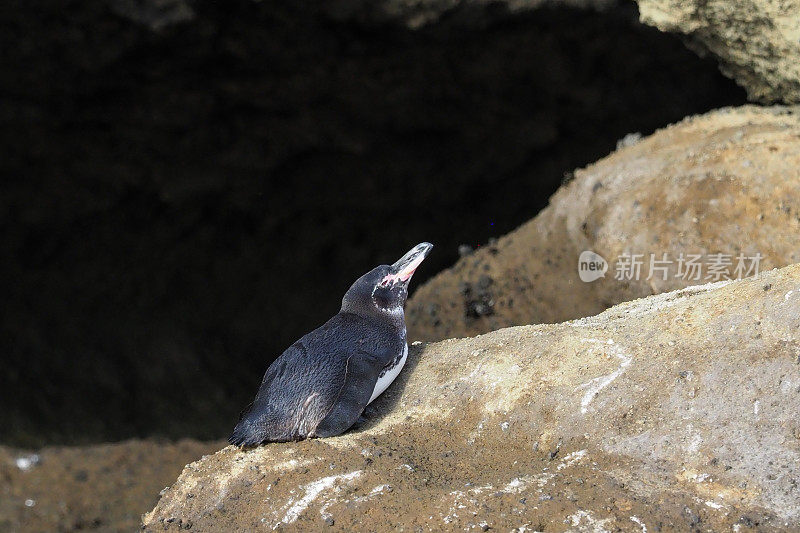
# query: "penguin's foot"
[360,422]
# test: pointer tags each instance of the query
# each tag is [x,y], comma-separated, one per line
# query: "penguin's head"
[383,290]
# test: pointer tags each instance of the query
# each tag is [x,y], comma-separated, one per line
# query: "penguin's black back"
[320,385]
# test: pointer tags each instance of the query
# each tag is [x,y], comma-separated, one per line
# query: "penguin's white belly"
[386,379]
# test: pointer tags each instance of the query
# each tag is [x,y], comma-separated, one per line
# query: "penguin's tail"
[243,436]
[245,433]
[259,424]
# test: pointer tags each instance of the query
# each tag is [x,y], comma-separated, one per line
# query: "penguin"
[321,384]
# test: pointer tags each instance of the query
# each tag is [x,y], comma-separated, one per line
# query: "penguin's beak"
[404,268]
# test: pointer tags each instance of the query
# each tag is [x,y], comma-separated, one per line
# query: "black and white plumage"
[321,384]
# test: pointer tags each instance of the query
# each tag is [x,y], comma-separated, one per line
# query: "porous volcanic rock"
[103,487]
[677,411]
[756,41]
[721,185]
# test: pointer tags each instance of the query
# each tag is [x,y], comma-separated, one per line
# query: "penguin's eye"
[381,300]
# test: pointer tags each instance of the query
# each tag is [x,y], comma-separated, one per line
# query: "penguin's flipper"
[361,374]
[319,386]
[274,414]
[290,409]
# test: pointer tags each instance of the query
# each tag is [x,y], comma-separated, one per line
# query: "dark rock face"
[179,205]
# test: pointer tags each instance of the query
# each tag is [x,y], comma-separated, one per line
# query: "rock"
[154,14]
[105,487]
[671,412]
[725,183]
[418,13]
[756,41]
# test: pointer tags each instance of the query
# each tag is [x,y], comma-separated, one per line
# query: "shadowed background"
[180,204]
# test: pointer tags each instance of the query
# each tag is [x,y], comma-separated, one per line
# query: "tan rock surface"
[756,41]
[102,487]
[674,412]
[727,182]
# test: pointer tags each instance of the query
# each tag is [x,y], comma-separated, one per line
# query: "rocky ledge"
[102,487]
[677,411]
[756,41]
[722,184]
